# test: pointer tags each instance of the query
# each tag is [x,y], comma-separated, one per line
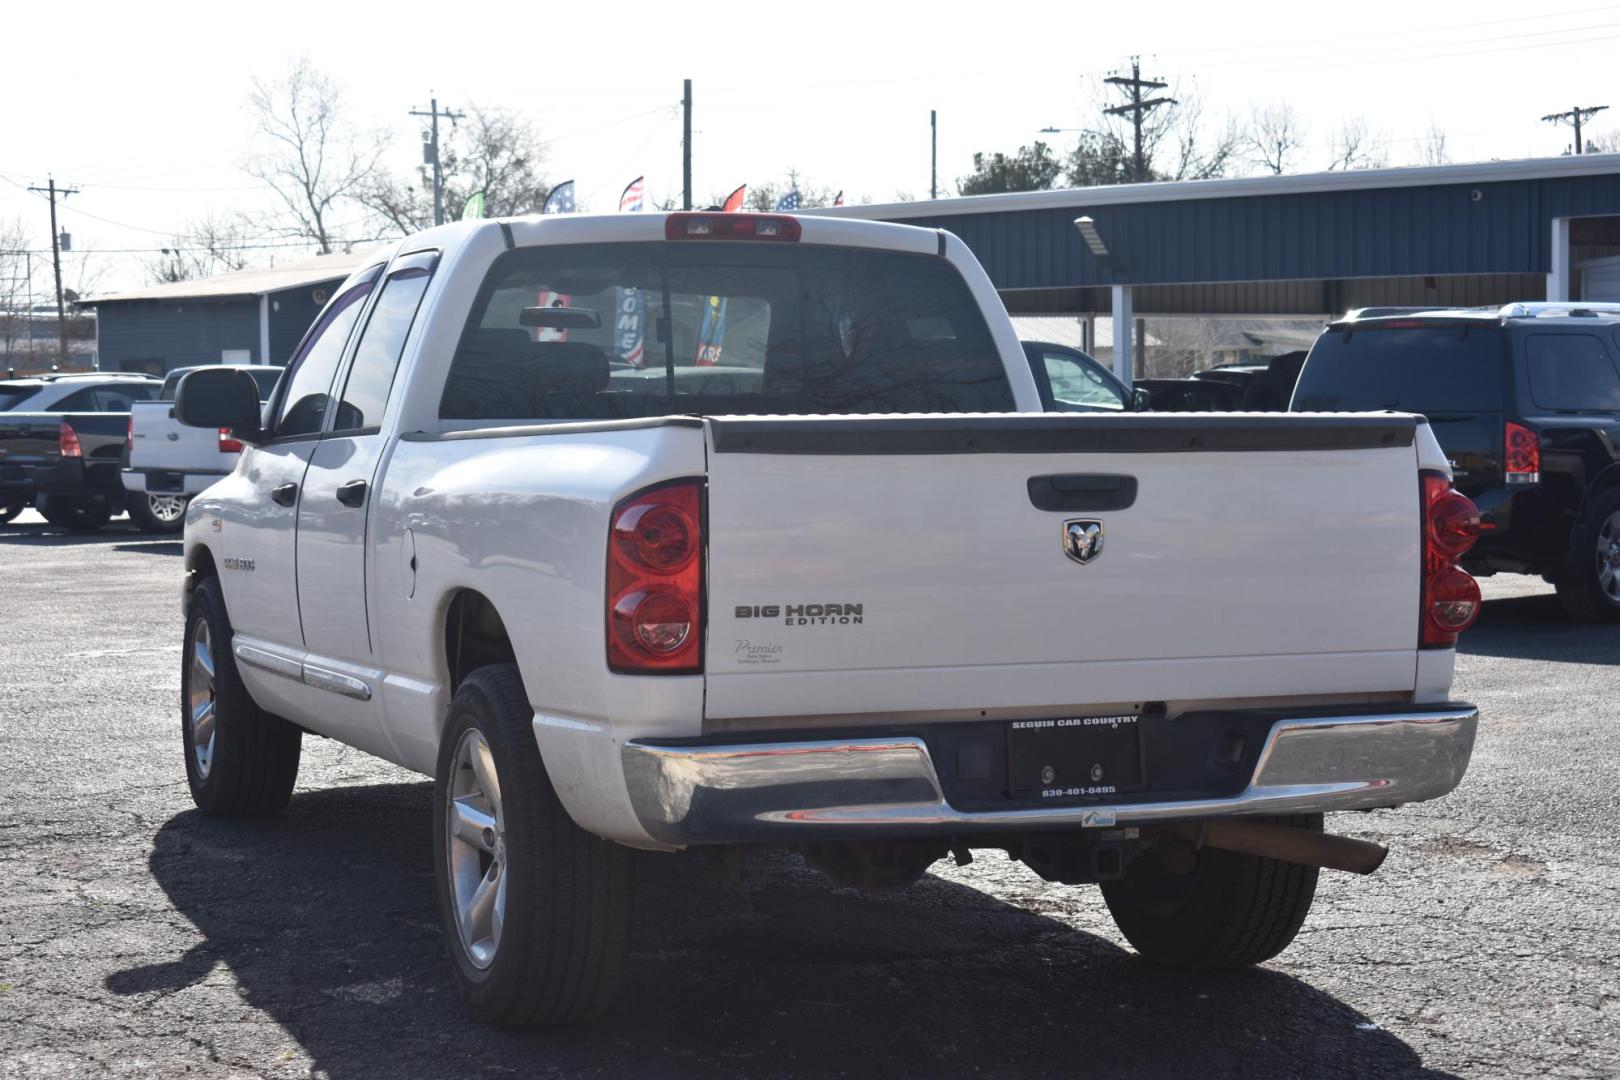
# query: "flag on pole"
[628,340]
[474,208]
[790,201]
[561,199]
[632,199]
[838,200]
[712,332]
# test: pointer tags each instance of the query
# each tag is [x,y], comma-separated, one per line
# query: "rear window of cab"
[1429,368]
[609,331]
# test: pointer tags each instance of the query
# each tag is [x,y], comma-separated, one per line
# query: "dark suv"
[1525,400]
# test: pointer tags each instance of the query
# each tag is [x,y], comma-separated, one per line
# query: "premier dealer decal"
[804,614]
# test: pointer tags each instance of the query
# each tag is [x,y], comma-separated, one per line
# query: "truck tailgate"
[884,564]
[159,441]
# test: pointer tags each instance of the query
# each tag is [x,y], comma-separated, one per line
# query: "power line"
[1575,118]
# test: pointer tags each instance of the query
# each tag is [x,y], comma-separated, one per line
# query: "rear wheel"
[534,908]
[1230,910]
[1589,587]
[157,513]
[77,515]
[240,760]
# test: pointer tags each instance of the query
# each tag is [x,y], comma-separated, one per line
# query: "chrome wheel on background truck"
[1589,587]
[157,513]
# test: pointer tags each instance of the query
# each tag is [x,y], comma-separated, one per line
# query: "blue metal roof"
[1467,219]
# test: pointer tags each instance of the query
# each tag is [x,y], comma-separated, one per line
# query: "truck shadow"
[44,534]
[326,920]
[1536,628]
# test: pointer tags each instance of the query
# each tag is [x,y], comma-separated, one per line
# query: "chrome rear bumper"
[786,791]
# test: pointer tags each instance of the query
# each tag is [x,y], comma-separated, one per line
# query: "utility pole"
[1137,108]
[430,153]
[933,154]
[686,145]
[52,191]
[1575,118]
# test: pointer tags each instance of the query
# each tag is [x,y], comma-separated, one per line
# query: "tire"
[1231,911]
[157,513]
[1589,587]
[249,759]
[563,893]
[77,515]
[9,511]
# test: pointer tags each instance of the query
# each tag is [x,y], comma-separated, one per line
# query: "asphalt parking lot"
[138,938]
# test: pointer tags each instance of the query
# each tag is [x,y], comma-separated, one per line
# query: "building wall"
[292,312]
[1444,229]
[141,334]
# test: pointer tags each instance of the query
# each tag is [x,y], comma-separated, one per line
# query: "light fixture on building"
[1094,241]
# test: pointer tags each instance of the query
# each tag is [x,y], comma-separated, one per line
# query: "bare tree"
[309,154]
[1199,151]
[1431,148]
[494,151]
[764,197]
[209,246]
[1275,136]
[14,290]
[1355,146]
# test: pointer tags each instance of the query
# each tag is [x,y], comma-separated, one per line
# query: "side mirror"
[220,398]
[1141,400]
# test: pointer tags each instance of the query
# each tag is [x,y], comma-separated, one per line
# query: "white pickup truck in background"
[659,531]
[166,462]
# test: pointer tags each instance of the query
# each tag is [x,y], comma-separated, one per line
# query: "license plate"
[1075,757]
[160,481]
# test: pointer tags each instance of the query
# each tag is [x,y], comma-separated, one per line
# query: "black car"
[1525,400]
[1071,381]
[61,444]
[1191,395]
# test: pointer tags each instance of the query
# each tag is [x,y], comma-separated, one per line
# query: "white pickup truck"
[650,532]
[166,463]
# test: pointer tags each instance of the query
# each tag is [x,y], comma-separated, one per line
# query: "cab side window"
[1075,383]
[309,378]
[376,358]
[1572,372]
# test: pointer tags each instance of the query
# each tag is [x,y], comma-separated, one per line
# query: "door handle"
[353,493]
[284,494]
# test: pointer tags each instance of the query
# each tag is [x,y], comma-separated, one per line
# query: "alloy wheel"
[1608,557]
[166,508]
[476,848]
[200,707]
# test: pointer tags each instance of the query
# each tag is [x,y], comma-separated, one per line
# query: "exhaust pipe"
[1286,844]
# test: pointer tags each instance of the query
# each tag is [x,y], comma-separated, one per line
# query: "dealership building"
[1302,245]
[1245,250]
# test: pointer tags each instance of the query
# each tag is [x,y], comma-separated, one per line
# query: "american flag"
[790,201]
[734,201]
[561,199]
[633,197]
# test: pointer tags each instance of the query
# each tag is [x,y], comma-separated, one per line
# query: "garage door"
[1600,279]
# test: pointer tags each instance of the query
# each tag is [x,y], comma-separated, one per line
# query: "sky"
[143,107]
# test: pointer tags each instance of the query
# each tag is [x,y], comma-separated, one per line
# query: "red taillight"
[1522,457]
[1450,595]
[655,582]
[228,445]
[67,440]
[723,226]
